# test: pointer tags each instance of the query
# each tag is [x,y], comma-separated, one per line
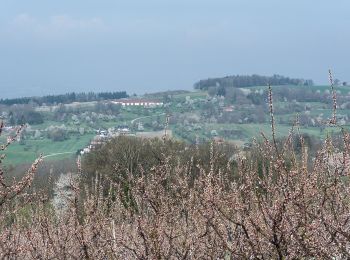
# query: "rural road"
[132,121]
[54,154]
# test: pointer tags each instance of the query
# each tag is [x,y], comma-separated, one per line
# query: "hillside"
[237,116]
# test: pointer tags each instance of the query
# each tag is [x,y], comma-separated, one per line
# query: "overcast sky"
[140,46]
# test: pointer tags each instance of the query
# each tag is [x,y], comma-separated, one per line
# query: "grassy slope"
[342,89]
[17,153]
[317,108]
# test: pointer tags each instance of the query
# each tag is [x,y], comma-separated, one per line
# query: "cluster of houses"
[96,142]
[102,136]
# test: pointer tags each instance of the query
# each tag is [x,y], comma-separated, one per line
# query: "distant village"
[102,136]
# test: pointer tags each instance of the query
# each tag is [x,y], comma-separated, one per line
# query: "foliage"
[123,155]
[20,116]
[14,191]
[57,134]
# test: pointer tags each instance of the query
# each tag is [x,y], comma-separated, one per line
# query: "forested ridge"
[240,81]
[66,98]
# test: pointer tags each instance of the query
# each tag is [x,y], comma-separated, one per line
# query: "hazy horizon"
[147,46]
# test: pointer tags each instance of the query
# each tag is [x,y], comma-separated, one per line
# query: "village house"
[123,129]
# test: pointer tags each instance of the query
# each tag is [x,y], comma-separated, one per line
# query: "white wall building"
[139,102]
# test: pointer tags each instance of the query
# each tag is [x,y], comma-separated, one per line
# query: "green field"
[28,152]
[251,131]
[194,94]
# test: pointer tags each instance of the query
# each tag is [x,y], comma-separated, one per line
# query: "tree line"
[239,81]
[66,98]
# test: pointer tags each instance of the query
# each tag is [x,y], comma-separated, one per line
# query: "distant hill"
[240,81]
[66,98]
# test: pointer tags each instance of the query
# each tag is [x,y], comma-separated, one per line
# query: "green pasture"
[28,152]
[322,89]
[195,94]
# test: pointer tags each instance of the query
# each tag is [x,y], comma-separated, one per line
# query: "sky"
[53,47]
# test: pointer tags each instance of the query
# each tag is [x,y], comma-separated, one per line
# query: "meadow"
[31,150]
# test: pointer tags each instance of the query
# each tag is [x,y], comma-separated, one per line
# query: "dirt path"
[142,117]
[54,154]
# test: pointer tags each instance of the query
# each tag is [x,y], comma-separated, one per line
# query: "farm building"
[139,102]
